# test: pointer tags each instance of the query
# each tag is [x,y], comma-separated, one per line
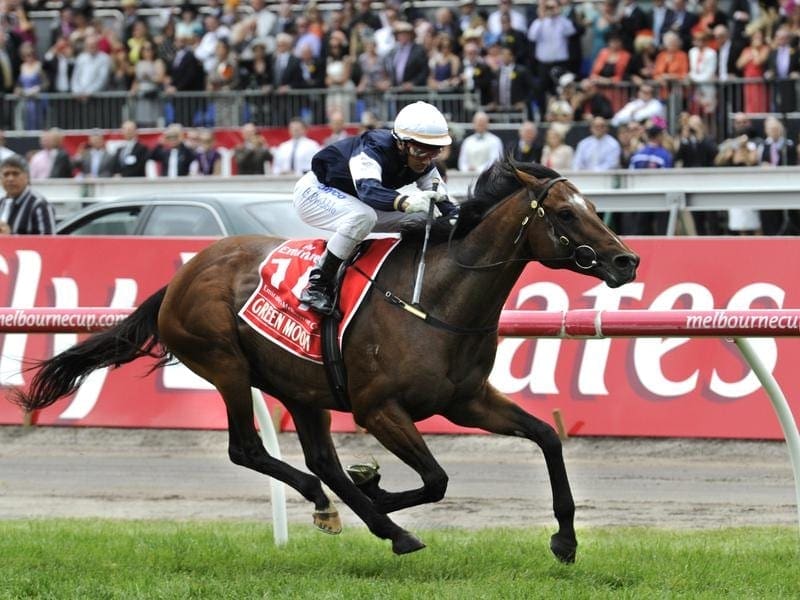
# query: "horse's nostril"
[626,261]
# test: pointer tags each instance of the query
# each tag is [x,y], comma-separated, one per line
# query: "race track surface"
[494,481]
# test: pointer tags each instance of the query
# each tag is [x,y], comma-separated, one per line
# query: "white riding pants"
[349,218]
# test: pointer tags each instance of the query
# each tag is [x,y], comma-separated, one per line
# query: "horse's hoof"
[327,520]
[362,473]
[564,550]
[406,544]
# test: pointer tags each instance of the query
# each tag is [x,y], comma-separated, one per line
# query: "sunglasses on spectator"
[426,152]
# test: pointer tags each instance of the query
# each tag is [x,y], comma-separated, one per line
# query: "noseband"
[584,256]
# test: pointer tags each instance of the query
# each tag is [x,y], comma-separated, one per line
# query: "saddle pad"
[274,310]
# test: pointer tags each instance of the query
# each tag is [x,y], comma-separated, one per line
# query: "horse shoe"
[327,520]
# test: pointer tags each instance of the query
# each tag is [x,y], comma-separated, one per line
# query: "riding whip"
[421,267]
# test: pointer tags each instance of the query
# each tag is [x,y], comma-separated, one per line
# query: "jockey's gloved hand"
[447,208]
[419,201]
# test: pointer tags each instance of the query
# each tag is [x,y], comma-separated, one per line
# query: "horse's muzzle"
[621,269]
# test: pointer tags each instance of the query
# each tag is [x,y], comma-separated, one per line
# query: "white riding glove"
[420,200]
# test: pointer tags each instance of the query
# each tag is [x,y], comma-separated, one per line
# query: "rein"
[537,210]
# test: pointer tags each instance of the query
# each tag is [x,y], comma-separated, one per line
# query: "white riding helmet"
[422,123]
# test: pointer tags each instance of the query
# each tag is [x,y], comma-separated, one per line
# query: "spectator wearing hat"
[550,31]
[652,155]
[407,63]
[479,150]
[512,83]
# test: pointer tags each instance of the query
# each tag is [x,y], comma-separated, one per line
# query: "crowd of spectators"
[533,58]
[611,64]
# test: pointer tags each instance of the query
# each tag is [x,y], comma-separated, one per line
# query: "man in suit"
[62,164]
[632,20]
[476,75]
[681,21]
[526,148]
[287,74]
[58,65]
[22,211]
[9,70]
[407,63]
[185,74]
[513,83]
[95,160]
[131,157]
[783,66]
[172,155]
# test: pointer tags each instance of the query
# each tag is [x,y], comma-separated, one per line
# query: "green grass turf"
[154,559]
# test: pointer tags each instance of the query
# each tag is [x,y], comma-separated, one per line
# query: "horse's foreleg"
[494,412]
[313,429]
[394,428]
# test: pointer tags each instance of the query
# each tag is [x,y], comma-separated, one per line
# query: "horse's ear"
[526,179]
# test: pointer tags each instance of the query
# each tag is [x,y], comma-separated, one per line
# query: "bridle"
[583,255]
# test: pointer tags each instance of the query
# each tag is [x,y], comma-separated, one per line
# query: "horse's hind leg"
[494,412]
[313,429]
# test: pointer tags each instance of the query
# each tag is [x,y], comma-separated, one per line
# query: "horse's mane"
[493,185]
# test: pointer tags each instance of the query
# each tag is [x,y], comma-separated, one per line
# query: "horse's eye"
[566,216]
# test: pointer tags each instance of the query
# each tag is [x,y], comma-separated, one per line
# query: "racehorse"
[401,369]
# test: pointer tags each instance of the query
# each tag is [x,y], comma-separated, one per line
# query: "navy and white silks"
[352,186]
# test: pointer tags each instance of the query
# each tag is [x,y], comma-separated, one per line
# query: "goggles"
[424,152]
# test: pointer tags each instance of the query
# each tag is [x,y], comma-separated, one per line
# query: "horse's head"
[564,231]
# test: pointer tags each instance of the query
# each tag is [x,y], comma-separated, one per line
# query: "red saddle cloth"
[274,310]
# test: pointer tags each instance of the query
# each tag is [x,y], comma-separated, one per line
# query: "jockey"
[352,190]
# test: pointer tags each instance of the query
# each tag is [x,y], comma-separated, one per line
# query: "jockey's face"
[419,157]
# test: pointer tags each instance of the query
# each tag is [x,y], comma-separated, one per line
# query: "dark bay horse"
[400,368]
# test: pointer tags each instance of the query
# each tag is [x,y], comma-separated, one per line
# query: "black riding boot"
[318,295]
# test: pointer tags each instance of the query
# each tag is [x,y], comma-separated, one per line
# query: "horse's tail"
[133,337]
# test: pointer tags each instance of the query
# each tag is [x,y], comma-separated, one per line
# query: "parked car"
[206,215]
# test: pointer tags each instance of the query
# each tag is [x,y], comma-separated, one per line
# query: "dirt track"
[73,472]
